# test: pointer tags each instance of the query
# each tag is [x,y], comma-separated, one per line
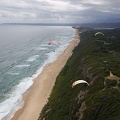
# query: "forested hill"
[97,60]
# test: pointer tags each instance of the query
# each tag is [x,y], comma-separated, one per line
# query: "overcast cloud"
[59,11]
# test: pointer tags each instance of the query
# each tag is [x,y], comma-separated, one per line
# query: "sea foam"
[22,65]
[33,58]
[15,102]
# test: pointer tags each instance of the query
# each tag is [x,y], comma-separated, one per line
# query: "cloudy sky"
[59,11]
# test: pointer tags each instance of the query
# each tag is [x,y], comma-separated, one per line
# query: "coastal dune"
[37,95]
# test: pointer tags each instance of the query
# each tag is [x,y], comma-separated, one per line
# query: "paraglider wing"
[79,82]
[99,33]
[57,15]
[54,41]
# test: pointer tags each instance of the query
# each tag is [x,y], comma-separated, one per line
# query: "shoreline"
[37,95]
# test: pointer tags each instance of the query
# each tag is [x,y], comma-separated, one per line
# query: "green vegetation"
[92,60]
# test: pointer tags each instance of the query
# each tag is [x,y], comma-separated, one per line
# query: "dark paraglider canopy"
[54,42]
[58,15]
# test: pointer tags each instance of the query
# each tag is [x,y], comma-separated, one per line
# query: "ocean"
[24,52]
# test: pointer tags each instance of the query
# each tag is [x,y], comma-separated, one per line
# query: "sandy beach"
[36,96]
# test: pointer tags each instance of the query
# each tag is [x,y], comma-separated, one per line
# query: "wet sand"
[37,95]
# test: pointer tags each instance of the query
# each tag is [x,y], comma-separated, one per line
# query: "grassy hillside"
[92,60]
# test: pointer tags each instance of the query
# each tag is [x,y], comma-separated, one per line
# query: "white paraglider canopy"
[79,82]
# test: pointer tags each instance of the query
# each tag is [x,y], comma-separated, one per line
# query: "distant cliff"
[97,60]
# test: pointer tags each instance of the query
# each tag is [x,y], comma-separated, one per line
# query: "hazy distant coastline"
[91,25]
